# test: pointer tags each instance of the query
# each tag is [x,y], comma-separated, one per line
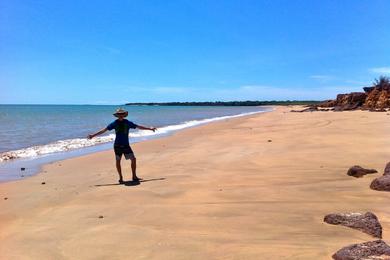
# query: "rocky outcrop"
[378,97]
[358,171]
[377,249]
[328,103]
[349,101]
[367,222]
[374,98]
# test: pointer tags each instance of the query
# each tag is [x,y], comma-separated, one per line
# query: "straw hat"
[121,111]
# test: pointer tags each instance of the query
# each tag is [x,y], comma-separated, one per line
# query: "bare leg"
[119,169]
[134,168]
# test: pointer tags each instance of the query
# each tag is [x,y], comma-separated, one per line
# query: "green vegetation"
[228,103]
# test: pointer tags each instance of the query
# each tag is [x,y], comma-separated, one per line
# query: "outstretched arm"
[146,128]
[90,136]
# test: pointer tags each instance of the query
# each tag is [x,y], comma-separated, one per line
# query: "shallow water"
[36,134]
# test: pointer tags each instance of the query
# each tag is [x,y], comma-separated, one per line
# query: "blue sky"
[111,52]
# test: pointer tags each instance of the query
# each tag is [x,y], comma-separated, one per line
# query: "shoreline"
[33,165]
[250,187]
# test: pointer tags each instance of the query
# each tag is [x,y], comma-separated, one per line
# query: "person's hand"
[90,136]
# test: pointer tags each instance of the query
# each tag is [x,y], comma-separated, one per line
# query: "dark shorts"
[125,150]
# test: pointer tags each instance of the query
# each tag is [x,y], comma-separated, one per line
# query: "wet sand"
[255,187]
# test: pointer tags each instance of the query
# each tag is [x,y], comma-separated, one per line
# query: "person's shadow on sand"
[130,183]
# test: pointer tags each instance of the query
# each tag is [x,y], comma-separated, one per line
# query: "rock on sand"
[367,222]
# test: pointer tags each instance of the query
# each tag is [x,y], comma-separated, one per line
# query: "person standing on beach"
[121,144]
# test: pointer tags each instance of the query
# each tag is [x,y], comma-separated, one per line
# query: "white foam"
[77,143]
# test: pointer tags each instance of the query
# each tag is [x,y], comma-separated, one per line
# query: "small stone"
[369,250]
[5,198]
[23,168]
[358,171]
[101,216]
[43,183]
[367,223]
[269,140]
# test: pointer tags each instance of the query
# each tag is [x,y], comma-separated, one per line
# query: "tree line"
[227,103]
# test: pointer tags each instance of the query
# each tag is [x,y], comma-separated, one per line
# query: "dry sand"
[219,191]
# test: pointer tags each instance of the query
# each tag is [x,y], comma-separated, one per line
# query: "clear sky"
[111,52]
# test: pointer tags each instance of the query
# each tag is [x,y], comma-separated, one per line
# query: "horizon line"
[163,102]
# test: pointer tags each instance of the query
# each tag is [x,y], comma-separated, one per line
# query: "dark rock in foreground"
[367,223]
[381,184]
[387,169]
[358,171]
[369,250]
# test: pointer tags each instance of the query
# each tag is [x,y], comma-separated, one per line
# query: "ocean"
[31,135]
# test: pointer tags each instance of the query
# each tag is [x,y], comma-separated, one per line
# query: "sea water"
[31,135]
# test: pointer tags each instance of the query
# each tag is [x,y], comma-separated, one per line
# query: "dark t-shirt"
[121,131]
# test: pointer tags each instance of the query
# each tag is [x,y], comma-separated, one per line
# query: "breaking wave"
[77,143]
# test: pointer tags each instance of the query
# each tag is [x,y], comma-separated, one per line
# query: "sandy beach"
[255,187]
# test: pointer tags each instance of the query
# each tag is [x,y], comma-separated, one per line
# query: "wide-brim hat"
[121,112]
